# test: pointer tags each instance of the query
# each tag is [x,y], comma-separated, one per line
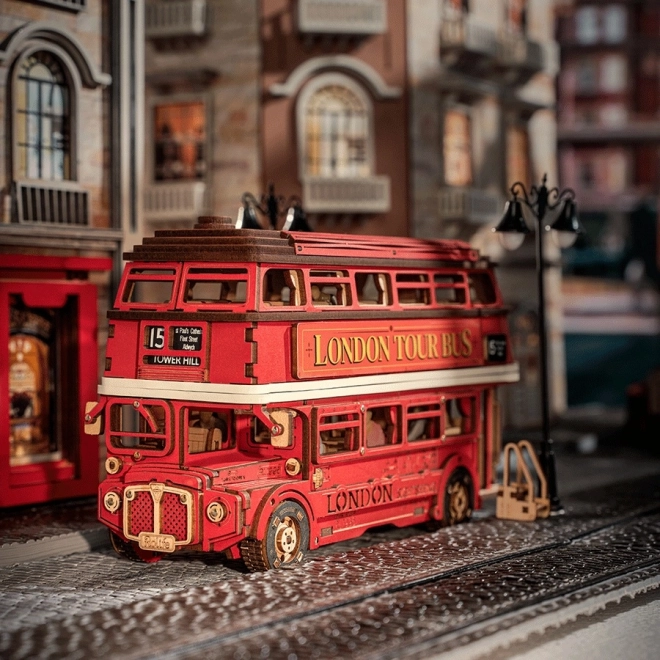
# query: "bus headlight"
[112,465]
[112,501]
[216,512]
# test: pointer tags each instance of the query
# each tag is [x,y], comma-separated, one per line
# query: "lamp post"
[273,207]
[512,229]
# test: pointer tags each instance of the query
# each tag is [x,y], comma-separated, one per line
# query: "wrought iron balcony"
[175,18]
[465,43]
[519,58]
[342,16]
[175,200]
[347,195]
[468,204]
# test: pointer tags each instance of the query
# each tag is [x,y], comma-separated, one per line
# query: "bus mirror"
[92,424]
[284,419]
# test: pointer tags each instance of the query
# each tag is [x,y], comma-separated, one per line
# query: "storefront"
[49,323]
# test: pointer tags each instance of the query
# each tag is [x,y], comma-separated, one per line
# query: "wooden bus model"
[266,392]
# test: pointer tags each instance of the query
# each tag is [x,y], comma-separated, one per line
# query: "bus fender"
[269,503]
[453,462]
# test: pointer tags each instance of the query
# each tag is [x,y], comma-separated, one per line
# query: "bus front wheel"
[458,497]
[285,542]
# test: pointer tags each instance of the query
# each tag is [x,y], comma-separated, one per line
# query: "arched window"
[335,128]
[42,119]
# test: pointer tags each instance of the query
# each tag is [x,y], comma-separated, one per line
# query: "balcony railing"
[519,56]
[175,201]
[464,40]
[342,16]
[61,203]
[468,204]
[176,18]
[347,195]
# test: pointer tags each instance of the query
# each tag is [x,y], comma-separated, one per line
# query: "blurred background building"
[396,117]
[609,152]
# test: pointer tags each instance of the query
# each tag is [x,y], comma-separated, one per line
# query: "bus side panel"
[122,349]
[232,353]
[274,354]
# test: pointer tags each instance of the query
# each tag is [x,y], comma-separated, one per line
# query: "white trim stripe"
[318,389]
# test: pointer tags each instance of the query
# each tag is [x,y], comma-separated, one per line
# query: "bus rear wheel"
[285,542]
[459,498]
[132,551]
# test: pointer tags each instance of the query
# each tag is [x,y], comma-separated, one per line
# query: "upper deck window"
[330,287]
[283,288]
[149,286]
[413,288]
[449,289]
[215,286]
[482,289]
[373,288]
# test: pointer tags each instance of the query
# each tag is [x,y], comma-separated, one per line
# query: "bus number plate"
[157,542]
[496,348]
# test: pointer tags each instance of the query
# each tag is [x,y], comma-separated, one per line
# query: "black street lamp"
[565,228]
[273,207]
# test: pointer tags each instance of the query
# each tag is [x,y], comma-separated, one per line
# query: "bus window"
[325,291]
[141,427]
[372,288]
[338,433]
[413,288]
[149,285]
[208,430]
[459,416]
[423,422]
[216,286]
[282,287]
[261,433]
[482,290]
[449,289]
[382,426]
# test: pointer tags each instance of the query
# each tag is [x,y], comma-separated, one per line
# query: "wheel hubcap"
[287,539]
[458,502]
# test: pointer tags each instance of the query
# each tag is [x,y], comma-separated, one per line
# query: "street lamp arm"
[560,196]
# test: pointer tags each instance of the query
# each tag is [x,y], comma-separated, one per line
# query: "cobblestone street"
[391,593]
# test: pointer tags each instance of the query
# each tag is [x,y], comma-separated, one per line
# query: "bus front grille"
[156,511]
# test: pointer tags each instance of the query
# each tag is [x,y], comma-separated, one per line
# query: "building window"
[457,148]
[43,119]
[517,155]
[516,15]
[179,141]
[336,129]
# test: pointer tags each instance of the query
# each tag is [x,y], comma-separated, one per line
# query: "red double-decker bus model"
[266,392]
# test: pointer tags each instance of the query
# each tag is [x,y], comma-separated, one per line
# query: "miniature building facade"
[609,151]
[64,184]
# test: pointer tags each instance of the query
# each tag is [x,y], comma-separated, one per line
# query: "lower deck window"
[338,433]
[382,426]
[137,427]
[459,416]
[423,422]
[208,431]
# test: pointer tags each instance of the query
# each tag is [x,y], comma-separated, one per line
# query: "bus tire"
[459,498]
[132,551]
[285,542]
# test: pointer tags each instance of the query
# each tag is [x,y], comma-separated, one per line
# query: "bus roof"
[215,239]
